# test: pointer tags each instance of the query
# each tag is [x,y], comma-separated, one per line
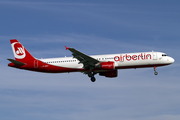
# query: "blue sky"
[93,27]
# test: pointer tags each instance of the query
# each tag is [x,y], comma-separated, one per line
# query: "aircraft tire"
[156,73]
[93,79]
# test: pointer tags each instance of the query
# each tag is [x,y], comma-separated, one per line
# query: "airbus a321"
[104,65]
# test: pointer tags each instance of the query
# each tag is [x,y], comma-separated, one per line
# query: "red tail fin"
[20,53]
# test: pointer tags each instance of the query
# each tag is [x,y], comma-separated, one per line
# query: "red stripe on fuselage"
[44,67]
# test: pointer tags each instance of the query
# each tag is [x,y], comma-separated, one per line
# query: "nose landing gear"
[155,72]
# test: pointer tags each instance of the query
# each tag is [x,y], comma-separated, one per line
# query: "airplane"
[104,65]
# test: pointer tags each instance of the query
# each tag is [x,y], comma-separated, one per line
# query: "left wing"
[87,61]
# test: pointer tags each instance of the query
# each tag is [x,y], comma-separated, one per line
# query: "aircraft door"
[154,55]
[35,63]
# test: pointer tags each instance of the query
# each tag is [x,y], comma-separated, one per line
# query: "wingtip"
[66,47]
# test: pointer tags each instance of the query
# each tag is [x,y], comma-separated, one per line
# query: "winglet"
[66,47]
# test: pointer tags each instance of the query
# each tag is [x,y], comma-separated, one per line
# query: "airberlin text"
[141,56]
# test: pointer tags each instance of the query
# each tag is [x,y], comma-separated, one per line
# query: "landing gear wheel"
[156,73]
[91,75]
[93,79]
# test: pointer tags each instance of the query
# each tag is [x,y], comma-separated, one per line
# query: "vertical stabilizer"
[20,53]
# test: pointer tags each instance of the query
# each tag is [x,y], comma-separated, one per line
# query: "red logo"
[19,49]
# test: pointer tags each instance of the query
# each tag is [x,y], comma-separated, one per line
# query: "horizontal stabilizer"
[16,62]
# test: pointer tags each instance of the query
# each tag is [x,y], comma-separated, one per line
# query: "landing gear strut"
[155,72]
[91,75]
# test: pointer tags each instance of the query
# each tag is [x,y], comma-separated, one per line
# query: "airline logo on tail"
[18,50]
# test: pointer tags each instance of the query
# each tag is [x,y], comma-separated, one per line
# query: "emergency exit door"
[154,55]
[35,63]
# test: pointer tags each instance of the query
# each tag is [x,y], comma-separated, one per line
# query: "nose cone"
[171,60]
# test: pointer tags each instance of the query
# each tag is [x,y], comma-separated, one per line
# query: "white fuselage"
[125,60]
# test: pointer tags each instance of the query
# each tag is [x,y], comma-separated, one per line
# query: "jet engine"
[111,74]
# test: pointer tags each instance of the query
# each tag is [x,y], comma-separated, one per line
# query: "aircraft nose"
[171,60]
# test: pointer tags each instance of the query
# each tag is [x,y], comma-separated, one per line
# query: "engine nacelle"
[106,65]
[111,74]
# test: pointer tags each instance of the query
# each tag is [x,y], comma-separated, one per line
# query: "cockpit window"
[164,55]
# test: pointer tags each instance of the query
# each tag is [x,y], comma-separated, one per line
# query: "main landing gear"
[155,72]
[91,75]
